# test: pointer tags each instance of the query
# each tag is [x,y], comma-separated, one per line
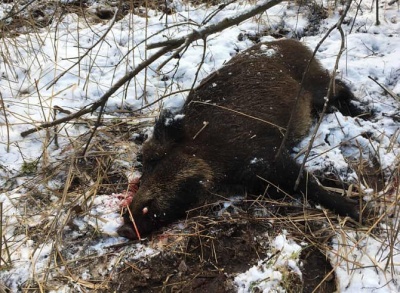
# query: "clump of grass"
[29,168]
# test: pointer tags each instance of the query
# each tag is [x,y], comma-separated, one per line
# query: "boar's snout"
[144,226]
[144,221]
[167,190]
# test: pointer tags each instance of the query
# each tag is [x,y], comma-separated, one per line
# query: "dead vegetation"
[29,16]
[202,253]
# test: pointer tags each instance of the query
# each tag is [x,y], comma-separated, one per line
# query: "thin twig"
[11,14]
[338,26]
[104,98]
[377,22]
[97,124]
[295,108]
[166,47]
[390,92]
[281,129]
[1,230]
[216,11]
[3,106]
[88,50]
[202,33]
[196,75]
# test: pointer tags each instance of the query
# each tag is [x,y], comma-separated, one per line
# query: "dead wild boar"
[228,133]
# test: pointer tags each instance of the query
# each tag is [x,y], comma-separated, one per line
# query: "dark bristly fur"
[218,144]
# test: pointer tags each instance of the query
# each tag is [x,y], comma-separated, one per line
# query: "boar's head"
[173,179]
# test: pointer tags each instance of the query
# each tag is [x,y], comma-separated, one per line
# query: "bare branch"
[389,91]
[205,31]
[114,19]
[104,98]
[295,108]
[168,46]
[338,26]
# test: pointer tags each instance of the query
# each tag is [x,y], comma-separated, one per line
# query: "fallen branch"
[168,46]
[205,31]
[338,26]
[104,98]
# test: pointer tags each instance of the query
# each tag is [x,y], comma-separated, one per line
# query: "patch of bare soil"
[212,246]
[207,255]
[202,254]
[28,17]
[317,272]
[202,262]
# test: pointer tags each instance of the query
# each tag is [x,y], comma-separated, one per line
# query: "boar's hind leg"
[286,172]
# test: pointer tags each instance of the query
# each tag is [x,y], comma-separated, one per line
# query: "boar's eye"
[149,162]
[152,159]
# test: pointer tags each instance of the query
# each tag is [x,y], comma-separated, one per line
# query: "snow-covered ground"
[87,59]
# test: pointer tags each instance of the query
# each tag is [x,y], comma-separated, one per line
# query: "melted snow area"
[40,70]
[267,274]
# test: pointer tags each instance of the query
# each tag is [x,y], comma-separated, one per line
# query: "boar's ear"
[169,127]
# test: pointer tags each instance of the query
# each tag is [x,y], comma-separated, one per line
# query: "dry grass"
[104,171]
[61,191]
[55,191]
